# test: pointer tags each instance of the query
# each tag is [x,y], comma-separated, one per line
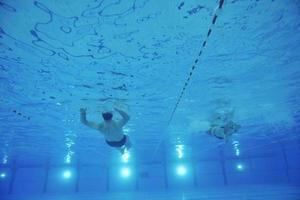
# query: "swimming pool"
[211,87]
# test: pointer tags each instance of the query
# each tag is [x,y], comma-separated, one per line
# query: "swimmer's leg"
[121,149]
[128,143]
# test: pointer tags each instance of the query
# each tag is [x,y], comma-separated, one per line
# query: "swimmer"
[222,126]
[111,129]
[223,131]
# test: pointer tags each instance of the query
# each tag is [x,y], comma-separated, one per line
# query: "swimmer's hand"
[119,106]
[125,116]
[83,110]
[117,109]
[83,115]
[89,123]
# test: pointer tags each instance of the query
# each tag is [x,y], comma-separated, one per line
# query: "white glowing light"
[125,172]
[181,170]
[67,174]
[2,175]
[240,167]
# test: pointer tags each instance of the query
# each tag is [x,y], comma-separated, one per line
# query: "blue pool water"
[187,72]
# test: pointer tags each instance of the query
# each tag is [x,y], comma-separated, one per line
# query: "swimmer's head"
[107,116]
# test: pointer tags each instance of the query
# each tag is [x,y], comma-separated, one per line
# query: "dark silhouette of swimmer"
[111,129]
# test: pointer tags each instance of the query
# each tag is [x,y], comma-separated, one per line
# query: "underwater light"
[67,174]
[181,170]
[2,175]
[240,167]
[125,172]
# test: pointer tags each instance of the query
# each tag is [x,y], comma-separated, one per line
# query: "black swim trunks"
[117,143]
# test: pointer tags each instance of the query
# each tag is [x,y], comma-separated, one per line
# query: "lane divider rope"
[209,32]
[213,22]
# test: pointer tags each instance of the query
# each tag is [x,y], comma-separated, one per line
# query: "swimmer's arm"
[125,117]
[86,122]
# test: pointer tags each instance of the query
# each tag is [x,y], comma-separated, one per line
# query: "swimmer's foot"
[123,150]
[128,146]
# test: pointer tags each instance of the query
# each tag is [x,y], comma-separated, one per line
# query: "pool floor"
[258,192]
